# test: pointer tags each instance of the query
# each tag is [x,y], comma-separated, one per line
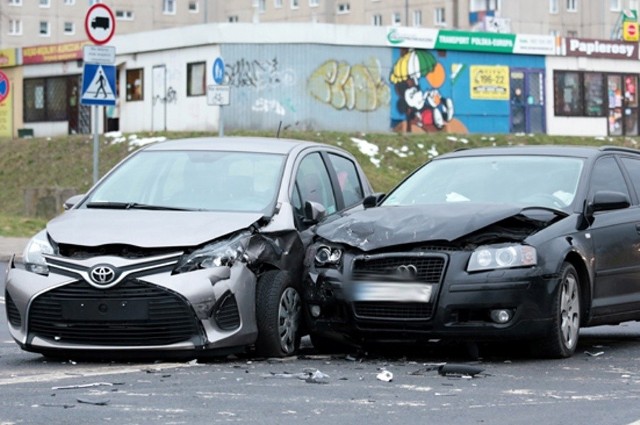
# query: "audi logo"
[407,271]
[102,274]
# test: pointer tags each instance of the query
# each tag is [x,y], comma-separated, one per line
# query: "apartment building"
[36,22]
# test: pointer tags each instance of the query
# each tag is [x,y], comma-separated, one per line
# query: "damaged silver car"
[516,243]
[187,247]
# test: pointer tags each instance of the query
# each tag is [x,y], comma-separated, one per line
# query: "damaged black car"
[526,243]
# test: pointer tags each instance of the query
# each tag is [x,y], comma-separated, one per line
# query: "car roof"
[237,144]
[551,150]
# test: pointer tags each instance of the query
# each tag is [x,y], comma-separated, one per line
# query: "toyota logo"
[408,272]
[102,274]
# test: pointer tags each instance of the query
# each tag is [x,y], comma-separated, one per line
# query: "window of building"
[69,2]
[572,33]
[484,5]
[568,94]
[633,4]
[594,96]
[124,15]
[15,2]
[615,5]
[277,4]
[553,6]
[135,84]
[193,6]
[376,20]
[196,79]
[15,27]
[44,29]
[344,7]
[295,4]
[45,99]
[169,7]
[314,3]
[261,5]
[396,18]
[417,18]
[92,2]
[233,18]
[69,28]
[572,5]
[45,3]
[439,17]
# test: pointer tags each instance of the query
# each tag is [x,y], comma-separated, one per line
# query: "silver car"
[190,246]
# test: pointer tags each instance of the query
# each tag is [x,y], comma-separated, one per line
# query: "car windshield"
[547,181]
[193,180]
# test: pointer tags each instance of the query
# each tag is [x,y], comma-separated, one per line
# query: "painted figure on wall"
[418,77]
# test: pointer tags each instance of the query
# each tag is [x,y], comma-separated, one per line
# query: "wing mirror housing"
[313,212]
[372,200]
[606,200]
[71,202]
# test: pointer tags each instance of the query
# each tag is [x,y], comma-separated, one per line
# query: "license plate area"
[105,310]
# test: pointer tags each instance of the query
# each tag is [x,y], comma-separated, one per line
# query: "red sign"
[100,24]
[53,52]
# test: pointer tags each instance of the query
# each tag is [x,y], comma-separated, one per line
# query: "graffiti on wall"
[278,107]
[352,87]
[170,97]
[259,74]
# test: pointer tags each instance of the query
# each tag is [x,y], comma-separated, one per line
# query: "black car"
[522,243]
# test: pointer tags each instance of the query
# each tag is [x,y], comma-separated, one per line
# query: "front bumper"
[458,306]
[148,311]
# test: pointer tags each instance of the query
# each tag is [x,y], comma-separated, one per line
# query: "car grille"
[13,315]
[392,310]
[168,318]
[429,269]
[226,313]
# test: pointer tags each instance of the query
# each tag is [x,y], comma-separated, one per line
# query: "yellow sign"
[630,31]
[8,57]
[489,82]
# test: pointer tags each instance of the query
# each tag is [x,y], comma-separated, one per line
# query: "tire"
[278,315]
[565,328]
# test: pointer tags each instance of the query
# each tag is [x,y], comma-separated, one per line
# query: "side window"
[606,175]
[633,168]
[313,184]
[349,182]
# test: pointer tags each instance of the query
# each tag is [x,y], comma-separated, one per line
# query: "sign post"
[98,76]
[218,94]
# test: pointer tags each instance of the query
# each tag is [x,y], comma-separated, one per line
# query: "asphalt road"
[600,384]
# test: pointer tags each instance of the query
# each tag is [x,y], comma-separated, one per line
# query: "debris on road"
[385,376]
[102,402]
[459,370]
[77,386]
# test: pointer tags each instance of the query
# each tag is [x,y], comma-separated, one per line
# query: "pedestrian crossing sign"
[98,85]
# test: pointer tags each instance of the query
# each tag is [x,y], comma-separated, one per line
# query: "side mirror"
[313,212]
[372,200]
[605,200]
[71,202]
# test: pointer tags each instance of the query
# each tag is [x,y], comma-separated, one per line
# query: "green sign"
[475,41]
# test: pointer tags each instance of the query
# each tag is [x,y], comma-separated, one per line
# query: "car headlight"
[33,254]
[503,257]
[216,254]
[327,255]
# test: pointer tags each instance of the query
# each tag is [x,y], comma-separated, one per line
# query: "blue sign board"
[218,71]
[98,85]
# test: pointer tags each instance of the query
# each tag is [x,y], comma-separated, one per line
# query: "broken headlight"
[503,257]
[216,254]
[327,255]
[33,255]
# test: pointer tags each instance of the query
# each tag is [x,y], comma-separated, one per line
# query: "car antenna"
[279,127]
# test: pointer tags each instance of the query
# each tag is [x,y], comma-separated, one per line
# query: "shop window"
[594,104]
[567,93]
[196,79]
[45,99]
[135,84]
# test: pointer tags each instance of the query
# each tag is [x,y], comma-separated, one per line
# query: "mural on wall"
[421,99]
[352,87]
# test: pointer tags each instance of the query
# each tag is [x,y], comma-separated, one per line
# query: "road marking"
[91,372]
[1,300]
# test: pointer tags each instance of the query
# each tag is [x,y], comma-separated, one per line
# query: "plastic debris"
[459,370]
[93,384]
[94,402]
[427,368]
[317,377]
[594,354]
[385,376]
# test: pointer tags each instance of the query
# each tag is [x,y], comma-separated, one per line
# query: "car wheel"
[279,315]
[565,328]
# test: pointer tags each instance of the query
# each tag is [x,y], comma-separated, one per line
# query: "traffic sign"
[4,86]
[218,70]
[99,54]
[218,95]
[99,23]
[98,85]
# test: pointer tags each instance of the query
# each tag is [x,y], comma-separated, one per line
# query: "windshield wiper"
[134,205]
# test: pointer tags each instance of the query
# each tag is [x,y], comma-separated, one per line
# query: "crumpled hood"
[145,229]
[381,227]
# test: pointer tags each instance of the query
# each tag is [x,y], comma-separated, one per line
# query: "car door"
[616,241]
